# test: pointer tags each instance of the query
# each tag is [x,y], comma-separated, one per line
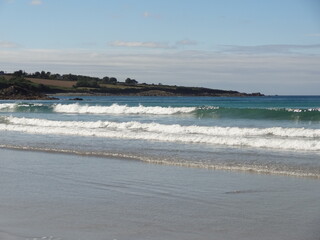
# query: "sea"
[277,135]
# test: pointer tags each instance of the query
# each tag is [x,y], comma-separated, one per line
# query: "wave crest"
[120,109]
[291,114]
[275,138]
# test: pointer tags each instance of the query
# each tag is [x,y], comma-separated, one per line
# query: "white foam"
[7,106]
[252,168]
[260,169]
[298,110]
[276,138]
[13,106]
[173,129]
[120,109]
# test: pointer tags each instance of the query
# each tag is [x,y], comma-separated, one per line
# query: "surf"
[199,112]
[121,109]
[291,114]
[274,138]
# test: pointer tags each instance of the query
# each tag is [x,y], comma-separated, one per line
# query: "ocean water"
[266,135]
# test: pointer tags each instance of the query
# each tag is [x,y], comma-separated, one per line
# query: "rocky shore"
[19,93]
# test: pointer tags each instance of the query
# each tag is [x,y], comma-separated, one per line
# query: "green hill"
[38,84]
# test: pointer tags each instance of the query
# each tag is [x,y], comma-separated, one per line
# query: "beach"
[67,196]
[159,120]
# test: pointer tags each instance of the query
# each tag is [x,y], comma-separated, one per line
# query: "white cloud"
[137,44]
[5,44]
[36,2]
[186,42]
[140,44]
[271,49]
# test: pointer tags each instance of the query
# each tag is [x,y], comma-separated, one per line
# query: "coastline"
[26,87]
[55,96]
[63,196]
[143,94]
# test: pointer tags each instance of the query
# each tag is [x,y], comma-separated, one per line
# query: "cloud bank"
[6,44]
[139,44]
[272,49]
[270,74]
[155,45]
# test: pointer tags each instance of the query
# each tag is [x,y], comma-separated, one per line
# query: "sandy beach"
[59,196]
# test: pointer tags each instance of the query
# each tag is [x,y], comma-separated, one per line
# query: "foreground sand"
[58,196]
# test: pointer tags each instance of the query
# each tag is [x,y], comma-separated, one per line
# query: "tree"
[105,80]
[70,77]
[87,83]
[37,74]
[113,80]
[131,81]
[56,76]
[43,74]
[19,73]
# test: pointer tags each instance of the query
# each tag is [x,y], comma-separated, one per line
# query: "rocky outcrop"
[76,99]
[16,92]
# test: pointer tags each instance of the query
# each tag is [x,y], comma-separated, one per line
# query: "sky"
[272,47]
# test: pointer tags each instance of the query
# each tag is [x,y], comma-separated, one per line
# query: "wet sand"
[60,196]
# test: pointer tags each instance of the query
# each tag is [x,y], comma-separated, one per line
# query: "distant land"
[40,85]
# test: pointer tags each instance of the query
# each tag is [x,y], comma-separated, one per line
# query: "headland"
[37,86]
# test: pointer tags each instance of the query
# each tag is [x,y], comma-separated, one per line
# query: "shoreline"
[144,95]
[249,169]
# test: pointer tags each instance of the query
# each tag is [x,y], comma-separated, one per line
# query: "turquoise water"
[270,135]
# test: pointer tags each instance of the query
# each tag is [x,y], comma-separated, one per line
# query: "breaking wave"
[293,114]
[120,109]
[26,107]
[274,137]
[7,106]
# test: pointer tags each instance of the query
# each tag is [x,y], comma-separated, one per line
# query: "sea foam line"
[305,144]
[171,129]
[252,168]
[298,110]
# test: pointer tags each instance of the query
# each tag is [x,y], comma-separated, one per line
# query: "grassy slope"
[69,84]
[20,88]
[55,83]
[60,86]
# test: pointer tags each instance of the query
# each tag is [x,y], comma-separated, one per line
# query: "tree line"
[81,81]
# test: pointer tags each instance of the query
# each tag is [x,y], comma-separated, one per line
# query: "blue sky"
[246,45]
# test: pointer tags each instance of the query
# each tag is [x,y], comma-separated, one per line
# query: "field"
[55,83]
